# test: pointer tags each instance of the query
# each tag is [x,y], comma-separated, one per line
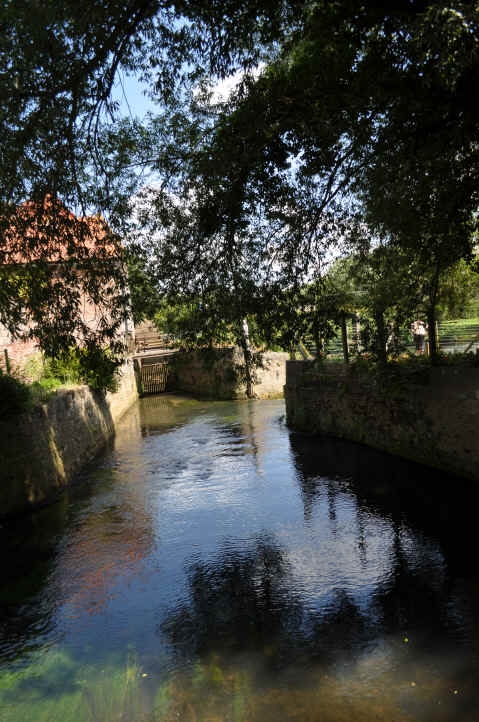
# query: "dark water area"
[212,566]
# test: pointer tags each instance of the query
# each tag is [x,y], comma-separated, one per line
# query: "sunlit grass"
[460,324]
[459,330]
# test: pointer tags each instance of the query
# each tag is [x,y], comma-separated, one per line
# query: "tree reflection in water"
[249,635]
[432,517]
[248,649]
[288,577]
[436,503]
[239,602]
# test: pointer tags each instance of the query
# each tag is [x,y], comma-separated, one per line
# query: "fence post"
[344,338]
[7,362]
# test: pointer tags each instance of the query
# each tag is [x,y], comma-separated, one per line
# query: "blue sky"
[130,93]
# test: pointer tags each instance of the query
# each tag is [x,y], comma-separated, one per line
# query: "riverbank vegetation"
[380,294]
[41,377]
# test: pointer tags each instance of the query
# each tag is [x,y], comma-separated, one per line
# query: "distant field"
[460,324]
[459,333]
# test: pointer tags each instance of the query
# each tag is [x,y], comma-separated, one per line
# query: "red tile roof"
[48,232]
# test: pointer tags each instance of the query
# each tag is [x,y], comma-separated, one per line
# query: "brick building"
[76,263]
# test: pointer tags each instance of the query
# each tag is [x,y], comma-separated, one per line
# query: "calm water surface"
[214,566]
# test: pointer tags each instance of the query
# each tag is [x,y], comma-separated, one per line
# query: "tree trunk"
[432,333]
[356,333]
[317,340]
[7,362]
[431,318]
[248,358]
[381,340]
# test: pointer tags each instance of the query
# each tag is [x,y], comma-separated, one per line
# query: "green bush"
[14,396]
[460,358]
[42,389]
[33,369]
[65,369]
[97,368]
[92,366]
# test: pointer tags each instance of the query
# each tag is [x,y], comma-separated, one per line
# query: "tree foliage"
[62,278]
[358,133]
[62,134]
[352,124]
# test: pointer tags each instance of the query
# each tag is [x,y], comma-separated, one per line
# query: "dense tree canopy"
[60,62]
[361,128]
[353,123]
[372,104]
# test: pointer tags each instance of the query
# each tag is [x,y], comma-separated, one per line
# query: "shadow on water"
[67,559]
[434,502]
[30,550]
[216,567]
[254,640]
[239,602]
[245,603]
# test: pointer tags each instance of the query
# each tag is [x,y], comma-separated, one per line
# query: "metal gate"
[154,378]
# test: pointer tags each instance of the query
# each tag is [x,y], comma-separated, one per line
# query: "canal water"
[214,566]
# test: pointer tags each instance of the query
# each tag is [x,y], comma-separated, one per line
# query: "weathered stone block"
[219,374]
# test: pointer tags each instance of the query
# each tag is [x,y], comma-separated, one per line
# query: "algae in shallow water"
[56,688]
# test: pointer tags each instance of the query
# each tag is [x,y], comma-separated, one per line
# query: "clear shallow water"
[214,566]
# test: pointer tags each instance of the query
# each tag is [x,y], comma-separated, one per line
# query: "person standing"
[419,332]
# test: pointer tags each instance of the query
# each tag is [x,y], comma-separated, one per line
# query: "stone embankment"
[219,374]
[431,417]
[40,451]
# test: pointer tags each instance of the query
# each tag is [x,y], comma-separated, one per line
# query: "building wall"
[432,418]
[43,449]
[18,351]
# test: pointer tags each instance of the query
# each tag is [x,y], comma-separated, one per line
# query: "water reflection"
[432,502]
[212,566]
[412,528]
[69,560]
[240,601]
[28,560]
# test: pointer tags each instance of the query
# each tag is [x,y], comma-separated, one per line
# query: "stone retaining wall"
[40,451]
[432,418]
[219,374]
